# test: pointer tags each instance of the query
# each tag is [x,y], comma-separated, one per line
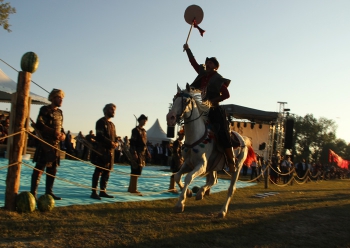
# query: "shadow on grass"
[297,217]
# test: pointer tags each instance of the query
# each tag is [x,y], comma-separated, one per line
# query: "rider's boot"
[230,158]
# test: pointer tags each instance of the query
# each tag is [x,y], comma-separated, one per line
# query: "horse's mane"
[203,106]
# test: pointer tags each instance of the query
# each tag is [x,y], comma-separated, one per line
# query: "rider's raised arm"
[190,56]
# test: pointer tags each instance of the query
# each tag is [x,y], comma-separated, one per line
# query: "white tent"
[8,87]
[156,134]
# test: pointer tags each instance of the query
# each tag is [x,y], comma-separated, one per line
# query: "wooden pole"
[188,36]
[189,33]
[27,126]
[267,176]
[16,149]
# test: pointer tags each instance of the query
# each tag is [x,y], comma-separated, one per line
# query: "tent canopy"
[156,134]
[8,87]
[254,115]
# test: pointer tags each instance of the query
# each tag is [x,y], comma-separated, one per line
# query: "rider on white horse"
[214,89]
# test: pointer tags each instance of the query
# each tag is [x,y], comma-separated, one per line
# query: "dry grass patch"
[309,215]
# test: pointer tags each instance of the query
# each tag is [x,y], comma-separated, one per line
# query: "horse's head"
[182,105]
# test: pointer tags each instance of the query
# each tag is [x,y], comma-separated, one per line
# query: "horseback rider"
[214,89]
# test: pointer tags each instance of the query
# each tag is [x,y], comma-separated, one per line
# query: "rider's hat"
[214,60]
[142,117]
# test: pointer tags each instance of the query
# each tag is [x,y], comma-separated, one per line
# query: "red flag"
[250,157]
[201,31]
[333,157]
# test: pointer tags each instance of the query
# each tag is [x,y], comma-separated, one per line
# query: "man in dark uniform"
[214,89]
[90,139]
[177,159]
[105,145]
[49,124]
[139,150]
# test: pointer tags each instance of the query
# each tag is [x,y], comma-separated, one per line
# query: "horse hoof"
[221,215]
[199,196]
[174,191]
[189,193]
[179,209]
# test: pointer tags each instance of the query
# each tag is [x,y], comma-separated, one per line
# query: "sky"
[130,53]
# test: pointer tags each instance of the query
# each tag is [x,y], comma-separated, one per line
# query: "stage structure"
[266,129]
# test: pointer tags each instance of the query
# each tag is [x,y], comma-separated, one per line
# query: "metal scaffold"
[280,127]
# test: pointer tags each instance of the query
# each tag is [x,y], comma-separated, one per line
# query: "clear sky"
[130,53]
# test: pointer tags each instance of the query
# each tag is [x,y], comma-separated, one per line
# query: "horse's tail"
[251,156]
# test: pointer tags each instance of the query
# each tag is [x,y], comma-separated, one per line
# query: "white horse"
[199,146]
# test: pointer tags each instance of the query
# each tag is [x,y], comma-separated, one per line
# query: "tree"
[5,11]
[314,137]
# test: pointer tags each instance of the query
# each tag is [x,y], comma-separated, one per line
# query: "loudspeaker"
[170,132]
[288,138]
[262,146]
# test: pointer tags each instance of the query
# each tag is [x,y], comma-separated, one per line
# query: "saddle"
[236,140]
[217,159]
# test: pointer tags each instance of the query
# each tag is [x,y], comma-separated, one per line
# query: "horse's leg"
[177,176]
[180,205]
[211,180]
[234,179]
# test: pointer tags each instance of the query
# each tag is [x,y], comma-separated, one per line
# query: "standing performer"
[214,89]
[138,149]
[105,145]
[49,124]
[177,159]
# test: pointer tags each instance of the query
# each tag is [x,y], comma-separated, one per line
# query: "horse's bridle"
[179,116]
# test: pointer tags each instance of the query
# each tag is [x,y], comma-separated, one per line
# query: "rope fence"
[308,177]
[86,163]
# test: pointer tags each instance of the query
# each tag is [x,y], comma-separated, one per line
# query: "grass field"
[306,215]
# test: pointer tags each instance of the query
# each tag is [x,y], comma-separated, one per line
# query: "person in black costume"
[139,150]
[90,139]
[177,159]
[214,89]
[105,144]
[49,124]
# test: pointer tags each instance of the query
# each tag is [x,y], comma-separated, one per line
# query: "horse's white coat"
[187,107]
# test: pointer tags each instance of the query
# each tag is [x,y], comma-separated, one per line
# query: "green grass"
[307,215]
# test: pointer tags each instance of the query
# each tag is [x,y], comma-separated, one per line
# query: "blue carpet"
[74,183]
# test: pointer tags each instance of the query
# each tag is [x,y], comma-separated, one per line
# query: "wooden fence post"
[267,176]
[16,149]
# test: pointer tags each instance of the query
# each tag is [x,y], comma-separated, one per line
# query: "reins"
[198,141]
[178,117]
[182,94]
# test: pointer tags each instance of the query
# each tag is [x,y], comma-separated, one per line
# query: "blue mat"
[73,183]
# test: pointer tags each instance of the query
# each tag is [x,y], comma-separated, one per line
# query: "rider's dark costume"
[213,85]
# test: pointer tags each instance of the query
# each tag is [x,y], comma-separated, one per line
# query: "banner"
[333,157]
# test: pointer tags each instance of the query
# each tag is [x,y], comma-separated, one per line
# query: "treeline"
[313,138]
